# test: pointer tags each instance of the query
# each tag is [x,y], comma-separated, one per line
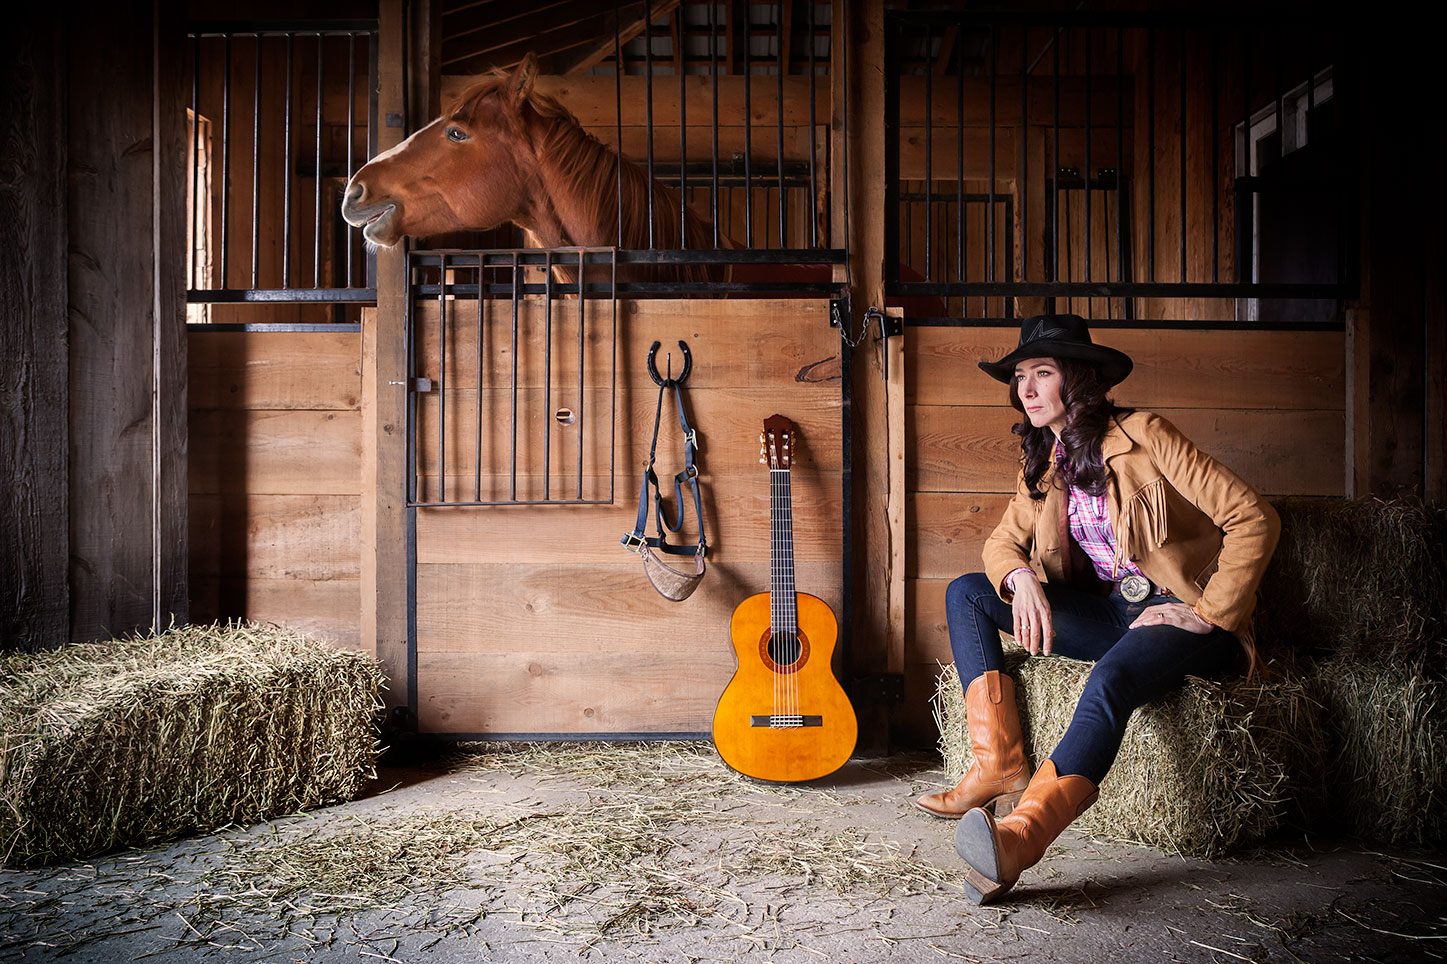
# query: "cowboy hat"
[1060,336]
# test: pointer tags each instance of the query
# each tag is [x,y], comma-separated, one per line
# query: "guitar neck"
[783,605]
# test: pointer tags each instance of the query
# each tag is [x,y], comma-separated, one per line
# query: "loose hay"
[1356,576]
[1388,775]
[137,740]
[1212,766]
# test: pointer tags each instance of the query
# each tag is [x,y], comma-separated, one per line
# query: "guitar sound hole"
[783,650]
[785,653]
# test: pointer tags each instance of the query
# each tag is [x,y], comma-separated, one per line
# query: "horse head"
[468,170]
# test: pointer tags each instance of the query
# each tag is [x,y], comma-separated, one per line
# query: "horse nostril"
[355,192]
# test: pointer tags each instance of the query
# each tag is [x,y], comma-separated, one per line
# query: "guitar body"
[783,716]
[805,685]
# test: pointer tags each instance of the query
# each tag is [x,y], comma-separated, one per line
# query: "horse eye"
[456,134]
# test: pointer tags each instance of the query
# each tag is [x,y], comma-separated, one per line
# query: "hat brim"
[1114,365]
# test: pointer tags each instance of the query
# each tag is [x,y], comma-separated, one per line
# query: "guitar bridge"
[785,721]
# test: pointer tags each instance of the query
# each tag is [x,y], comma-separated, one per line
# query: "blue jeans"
[1132,666]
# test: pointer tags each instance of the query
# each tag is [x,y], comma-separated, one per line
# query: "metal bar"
[477,419]
[613,381]
[1181,146]
[916,321]
[1215,155]
[351,134]
[581,422]
[548,375]
[194,281]
[1024,152]
[517,283]
[275,295]
[813,153]
[1054,188]
[441,387]
[893,59]
[277,326]
[618,127]
[226,167]
[1140,289]
[1119,153]
[1089,225]
[648,113]
[990,225]
[779,102]
[409,324]
[373,96]
[317,176]
[748,130]
[255,164]
[929,88]
[713,73]
[286,170]
[961,264]
[682,137]
[1151,153]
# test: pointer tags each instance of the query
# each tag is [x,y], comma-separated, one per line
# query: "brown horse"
[508,153]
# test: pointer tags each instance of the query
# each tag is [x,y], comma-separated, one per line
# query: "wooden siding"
[276,470]
[1271,405]
[535,619]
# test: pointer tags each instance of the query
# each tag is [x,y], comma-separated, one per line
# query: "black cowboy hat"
[1060,336]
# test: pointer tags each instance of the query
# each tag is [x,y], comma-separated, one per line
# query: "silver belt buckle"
[1134,588]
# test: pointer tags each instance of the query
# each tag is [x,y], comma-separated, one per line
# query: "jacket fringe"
[1143,522]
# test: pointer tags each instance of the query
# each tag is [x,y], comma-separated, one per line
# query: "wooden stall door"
[533,621]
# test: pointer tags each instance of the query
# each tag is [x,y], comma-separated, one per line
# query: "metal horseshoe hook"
[653,366]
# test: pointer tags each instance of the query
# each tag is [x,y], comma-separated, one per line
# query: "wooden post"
[384,396]
[857,51]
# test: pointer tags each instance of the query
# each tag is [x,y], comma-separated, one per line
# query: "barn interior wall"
[276,477]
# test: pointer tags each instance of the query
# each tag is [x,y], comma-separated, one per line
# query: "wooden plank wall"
[1268,404]
[535,619]
[34,364]
[276,460]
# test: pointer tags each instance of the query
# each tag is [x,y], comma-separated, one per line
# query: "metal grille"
[280,117]
[1160,168]
[512,386]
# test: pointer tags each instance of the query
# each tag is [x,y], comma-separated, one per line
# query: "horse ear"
[520,85]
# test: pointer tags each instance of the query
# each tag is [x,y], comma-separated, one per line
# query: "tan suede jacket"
[1188,522]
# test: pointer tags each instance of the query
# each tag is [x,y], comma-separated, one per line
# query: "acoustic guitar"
[783,717]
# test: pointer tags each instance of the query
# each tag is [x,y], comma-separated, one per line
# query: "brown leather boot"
[1000,772]
[997,851]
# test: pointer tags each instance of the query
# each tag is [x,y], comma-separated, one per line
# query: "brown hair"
[1088,413]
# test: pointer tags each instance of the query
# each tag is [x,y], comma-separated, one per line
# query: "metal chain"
[870,313]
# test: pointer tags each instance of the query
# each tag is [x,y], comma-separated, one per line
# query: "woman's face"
[1037,381]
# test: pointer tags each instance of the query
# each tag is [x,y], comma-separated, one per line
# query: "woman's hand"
[1173,614]
[1033,628]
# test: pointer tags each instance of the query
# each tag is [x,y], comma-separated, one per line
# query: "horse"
[506,152]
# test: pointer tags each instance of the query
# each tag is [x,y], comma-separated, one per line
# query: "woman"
[1123,544]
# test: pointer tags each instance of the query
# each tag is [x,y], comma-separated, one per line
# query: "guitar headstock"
[776,442]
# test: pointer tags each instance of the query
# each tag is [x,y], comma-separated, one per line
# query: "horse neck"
[580,191]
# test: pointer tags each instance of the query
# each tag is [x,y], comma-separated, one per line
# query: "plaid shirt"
[1090,527]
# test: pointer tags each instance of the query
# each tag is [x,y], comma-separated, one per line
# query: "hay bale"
[1211,767]
[138,740]
[1356,576]
[1388,766]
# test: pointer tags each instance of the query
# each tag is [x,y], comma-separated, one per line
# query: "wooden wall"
[535,619]
[276,470]
[1268,404]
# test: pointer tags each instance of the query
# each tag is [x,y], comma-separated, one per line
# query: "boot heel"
[1005,802]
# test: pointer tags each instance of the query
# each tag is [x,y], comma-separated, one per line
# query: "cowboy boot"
[1000,772]
[996,852]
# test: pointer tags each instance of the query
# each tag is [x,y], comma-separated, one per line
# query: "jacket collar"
[1116,441]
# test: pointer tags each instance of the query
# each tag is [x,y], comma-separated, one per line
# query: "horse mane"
[593,171]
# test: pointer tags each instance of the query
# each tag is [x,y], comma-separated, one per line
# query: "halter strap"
[638,538]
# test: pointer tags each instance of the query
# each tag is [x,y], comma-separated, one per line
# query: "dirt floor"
[659,853]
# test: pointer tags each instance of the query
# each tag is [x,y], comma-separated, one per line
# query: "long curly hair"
[1088,412]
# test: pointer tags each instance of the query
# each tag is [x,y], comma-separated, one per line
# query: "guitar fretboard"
[783,604]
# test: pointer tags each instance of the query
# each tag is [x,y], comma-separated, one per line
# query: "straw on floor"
[1212,767]
[137,740]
